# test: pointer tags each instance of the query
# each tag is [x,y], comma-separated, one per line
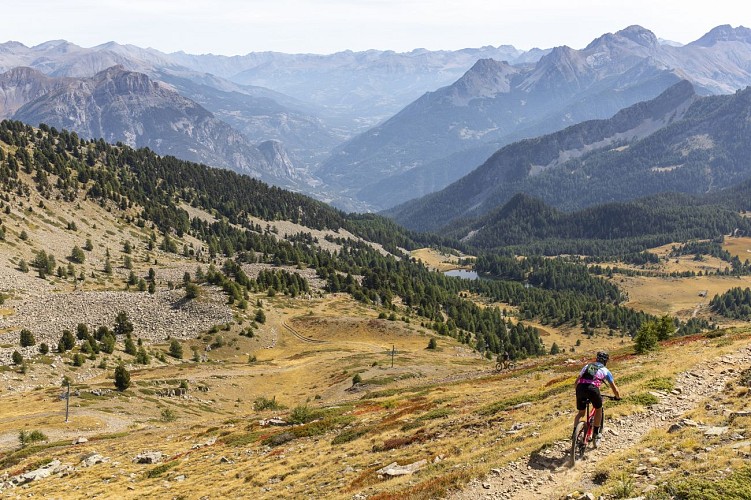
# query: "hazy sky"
[324,26]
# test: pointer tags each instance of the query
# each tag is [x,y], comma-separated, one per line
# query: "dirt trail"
[111,424]
[547,474]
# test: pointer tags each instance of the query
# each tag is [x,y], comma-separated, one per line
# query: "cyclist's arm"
[614,387]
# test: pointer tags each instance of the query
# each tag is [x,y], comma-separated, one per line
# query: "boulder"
[93,459]
[149,457]
[715,431]
[394,469]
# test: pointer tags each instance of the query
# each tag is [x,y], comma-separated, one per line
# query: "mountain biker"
[506,359]
[588,388]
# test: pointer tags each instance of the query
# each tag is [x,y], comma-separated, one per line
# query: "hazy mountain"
[128,107]
[336,95]
[495,103]
[22,85]
[358,87]
[258,113]
[641,150]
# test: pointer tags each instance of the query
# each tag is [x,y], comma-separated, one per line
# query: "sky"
[232,27]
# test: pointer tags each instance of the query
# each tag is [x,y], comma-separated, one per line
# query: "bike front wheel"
[499,366]
[578,442]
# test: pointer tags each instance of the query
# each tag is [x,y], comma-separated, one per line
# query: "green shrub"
[661,384]
[642,399]
[160,469]
[26,438]
[350,435]
[735,485]
[263,403]
[279,439]
[303,414]
[168,415]
[175,349]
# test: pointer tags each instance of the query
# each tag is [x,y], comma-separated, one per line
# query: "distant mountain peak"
[640,35]
[724,33]
[486,78]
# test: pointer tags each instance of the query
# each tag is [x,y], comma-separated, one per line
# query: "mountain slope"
[123,106]
[522,164]
[494,103]
[530,226]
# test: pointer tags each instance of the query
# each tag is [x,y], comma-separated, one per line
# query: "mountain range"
[128,107]
[678,142]
[439,137]
[218,109]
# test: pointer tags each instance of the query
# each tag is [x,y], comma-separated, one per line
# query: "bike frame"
[583,432]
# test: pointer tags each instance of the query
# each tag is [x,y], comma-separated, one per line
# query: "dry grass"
[740,247]
[437,260]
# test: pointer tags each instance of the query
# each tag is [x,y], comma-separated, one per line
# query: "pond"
[462,273]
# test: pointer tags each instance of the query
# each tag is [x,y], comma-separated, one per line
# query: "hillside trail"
[110,424]
[547,474]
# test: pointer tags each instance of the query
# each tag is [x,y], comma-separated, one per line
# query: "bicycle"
[583,432]
[504,365]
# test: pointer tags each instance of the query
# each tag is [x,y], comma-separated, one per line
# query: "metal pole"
[393,351]
[67,403]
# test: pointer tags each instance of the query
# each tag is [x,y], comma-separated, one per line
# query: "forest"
[150,190]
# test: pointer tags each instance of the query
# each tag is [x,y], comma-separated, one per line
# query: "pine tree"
[646,338]
[27,338]
[175,349]
[122,378]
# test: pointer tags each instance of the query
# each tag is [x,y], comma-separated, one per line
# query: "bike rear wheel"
[578,442]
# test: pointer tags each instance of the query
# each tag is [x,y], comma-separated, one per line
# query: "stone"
[273,421]
[394,469]
[486,486]
[675,428]
[521,405]
[80,440]
[715,431]
[497,472]
[93,459]
[650,488]
[54,467]
[149,457]
[225,460]
[587,496]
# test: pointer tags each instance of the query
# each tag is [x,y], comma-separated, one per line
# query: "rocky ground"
[548,474]
[47,309]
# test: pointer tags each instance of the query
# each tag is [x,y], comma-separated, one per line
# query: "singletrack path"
[548,474]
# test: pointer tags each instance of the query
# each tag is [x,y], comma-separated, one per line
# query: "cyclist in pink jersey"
[588,388]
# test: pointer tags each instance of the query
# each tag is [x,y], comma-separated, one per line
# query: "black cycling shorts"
[586,392]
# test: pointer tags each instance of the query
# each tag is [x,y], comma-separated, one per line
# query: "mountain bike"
[504,365]
[583,432]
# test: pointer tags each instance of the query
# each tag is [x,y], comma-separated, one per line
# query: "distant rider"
[506,360]
[588,388]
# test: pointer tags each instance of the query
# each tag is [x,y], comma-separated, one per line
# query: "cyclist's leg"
[581,402]
[596,398]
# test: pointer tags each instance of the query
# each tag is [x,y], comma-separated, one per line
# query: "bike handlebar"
[608,396]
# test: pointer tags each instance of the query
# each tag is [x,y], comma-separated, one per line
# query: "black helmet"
[602,357]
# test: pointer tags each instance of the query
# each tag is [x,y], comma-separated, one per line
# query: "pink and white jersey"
[594,373]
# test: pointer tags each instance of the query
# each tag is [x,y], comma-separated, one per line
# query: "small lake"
[462,273]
